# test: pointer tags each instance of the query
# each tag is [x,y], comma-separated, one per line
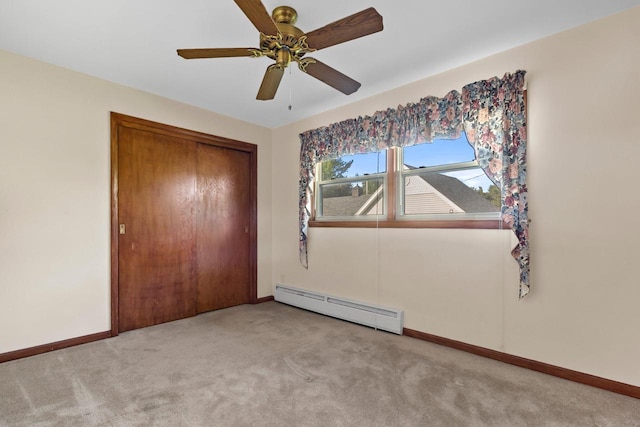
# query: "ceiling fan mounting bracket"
[284,15]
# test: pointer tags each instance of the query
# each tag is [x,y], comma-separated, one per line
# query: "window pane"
[461,191]
[355,165]
[438,152]
[359,198]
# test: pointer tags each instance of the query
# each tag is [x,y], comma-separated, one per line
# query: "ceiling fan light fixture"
[283,57]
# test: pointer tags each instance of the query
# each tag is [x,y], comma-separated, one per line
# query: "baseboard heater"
[387,319]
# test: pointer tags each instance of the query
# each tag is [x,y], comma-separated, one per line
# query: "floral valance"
[492,114]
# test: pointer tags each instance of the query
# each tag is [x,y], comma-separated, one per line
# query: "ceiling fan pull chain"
[290,90]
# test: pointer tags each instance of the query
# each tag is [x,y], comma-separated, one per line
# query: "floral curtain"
[487,109]
[495,124]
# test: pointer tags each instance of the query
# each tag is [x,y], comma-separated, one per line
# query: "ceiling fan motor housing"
[289,44]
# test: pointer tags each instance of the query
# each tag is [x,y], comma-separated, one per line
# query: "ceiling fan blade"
[270,83]
[216,53]
[258,15]
[332,77]
[352,27]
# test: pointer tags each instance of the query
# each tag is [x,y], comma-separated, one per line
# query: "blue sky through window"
[369,163]
[438,152]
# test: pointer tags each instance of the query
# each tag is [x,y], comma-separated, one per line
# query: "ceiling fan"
[281,41]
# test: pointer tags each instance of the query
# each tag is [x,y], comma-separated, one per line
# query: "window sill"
[489,224]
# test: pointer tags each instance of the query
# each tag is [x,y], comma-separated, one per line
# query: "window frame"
[393,178]
[449,167]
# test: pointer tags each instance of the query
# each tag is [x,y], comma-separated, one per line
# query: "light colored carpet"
[275,365]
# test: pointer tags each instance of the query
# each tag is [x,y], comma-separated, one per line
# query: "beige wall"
[582,312]
[54,195]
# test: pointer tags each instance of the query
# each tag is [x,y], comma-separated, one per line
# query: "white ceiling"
[134,42]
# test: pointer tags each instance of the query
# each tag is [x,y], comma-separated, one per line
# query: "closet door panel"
[223,226]
[157,262]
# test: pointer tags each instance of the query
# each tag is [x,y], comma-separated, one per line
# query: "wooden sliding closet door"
[223,225]
[157,263]
[183,225]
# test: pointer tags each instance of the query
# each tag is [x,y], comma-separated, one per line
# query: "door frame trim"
[120,120]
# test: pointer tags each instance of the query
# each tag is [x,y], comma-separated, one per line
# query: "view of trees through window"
[340,168]
[492,194]
[332,169]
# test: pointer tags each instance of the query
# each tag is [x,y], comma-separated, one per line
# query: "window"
[352,187]
[438,184]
